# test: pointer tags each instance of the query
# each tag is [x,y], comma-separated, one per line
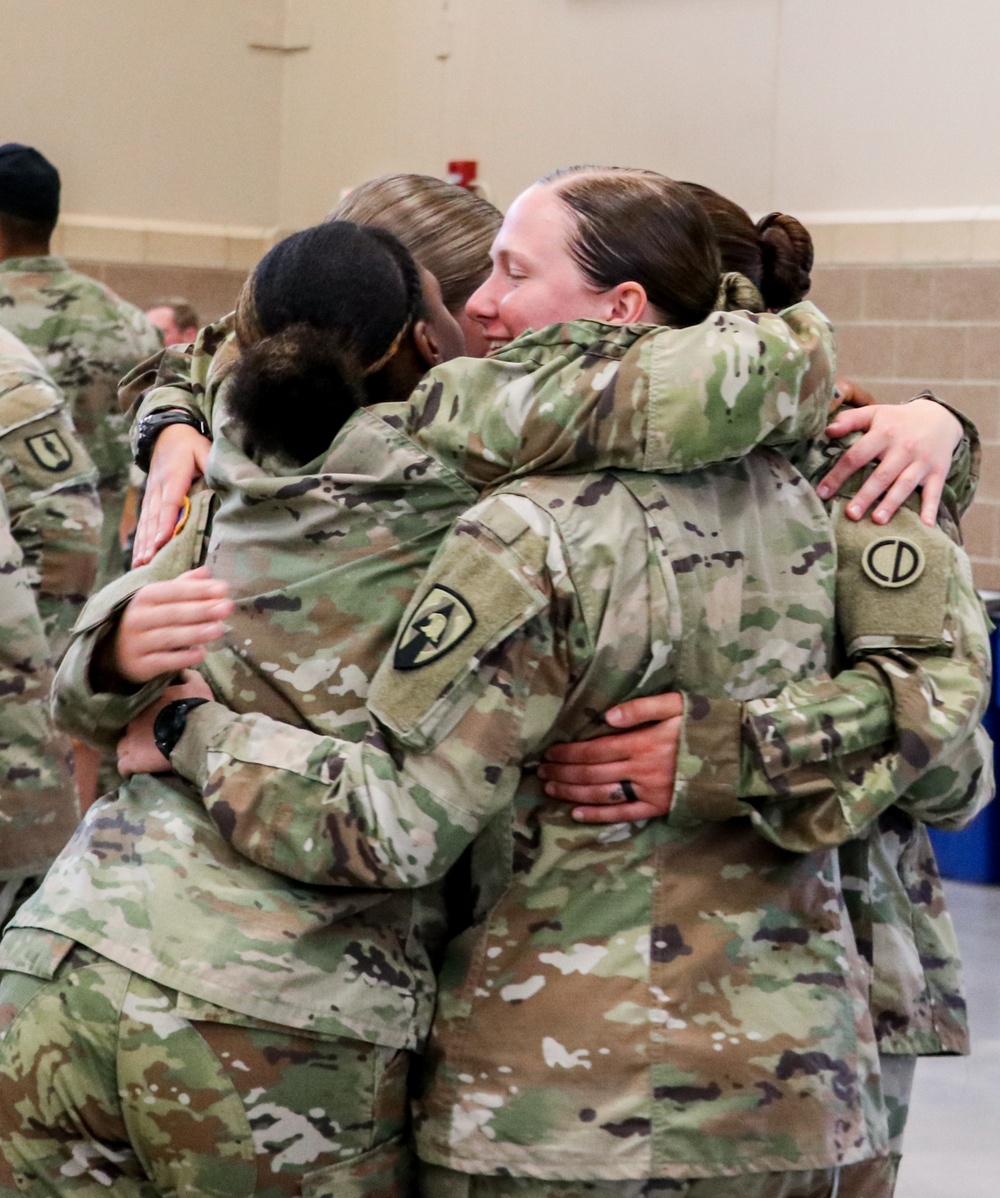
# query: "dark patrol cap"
[29,183]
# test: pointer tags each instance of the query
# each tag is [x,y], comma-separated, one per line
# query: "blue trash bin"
[973,855]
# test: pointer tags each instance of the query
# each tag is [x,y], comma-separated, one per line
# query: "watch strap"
[168,727]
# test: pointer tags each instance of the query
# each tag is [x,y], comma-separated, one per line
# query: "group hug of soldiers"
[356,860]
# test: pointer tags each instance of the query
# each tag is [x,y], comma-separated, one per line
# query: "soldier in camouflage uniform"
[38,807]
[892,883]
[51,513]
[301,683]
[48,479]
[915,643]
[86,337]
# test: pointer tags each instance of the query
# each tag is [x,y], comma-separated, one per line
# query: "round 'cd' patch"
[893,562]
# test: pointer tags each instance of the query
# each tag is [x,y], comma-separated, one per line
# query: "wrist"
[106,675]
[151,425]
[168,727]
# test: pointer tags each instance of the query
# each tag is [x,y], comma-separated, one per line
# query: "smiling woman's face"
[535,280]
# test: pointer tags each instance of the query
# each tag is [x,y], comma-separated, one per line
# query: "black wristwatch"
[168,727]
[152,425]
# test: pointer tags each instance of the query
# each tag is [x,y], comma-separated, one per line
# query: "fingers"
[646,710]
[600,751]
[161,509]
[850,461]
[850,393]
[627,813]
[179,457]
[609,805]
[651,741]
[904,486]
[852,420]
[585,775]
[193,587]
[933,490]
[915,442]
[167,625]
[891,472]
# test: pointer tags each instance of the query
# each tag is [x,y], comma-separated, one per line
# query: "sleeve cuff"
[708,762]
[204,730]
[97,717]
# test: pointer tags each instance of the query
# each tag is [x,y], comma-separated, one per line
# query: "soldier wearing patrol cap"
[86,337]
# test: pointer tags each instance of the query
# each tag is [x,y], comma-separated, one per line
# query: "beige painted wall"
[164,112]
[810,105]
[154,109]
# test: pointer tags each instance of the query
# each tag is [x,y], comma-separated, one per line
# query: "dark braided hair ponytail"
[322,313]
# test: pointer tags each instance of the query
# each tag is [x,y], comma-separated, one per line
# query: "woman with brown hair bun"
[917,999]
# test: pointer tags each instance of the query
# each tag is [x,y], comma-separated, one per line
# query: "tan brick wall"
[212,290]
[901,328]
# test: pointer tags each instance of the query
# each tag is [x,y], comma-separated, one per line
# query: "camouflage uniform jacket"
[322,564]
[38,806]
[924,647]
[48,480]
[185,378]
[829,744]
[87,338]
[720,1019]
[810,766]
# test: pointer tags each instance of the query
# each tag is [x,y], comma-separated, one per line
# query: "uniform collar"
[42,263]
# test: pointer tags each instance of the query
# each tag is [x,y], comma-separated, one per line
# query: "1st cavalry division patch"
[893,562]
[438,624]
[50,451]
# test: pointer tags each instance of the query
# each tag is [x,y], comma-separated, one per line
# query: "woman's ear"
[629,303]
[426,344]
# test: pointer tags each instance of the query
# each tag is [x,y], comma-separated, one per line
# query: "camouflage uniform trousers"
[897,1084]
[868,1179]
[106,1085]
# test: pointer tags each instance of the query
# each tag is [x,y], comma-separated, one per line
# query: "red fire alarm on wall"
[463,172]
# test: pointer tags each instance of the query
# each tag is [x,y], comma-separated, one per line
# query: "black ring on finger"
[628,790]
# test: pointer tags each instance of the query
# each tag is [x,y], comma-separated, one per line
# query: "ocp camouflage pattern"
[549,650]
[38,804]
[191,1102]
[322,564]
[48,480]
[286,750]
[86,338]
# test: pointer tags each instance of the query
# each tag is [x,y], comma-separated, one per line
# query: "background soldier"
[86,337]
[38,805]
[49,483]
[176,319]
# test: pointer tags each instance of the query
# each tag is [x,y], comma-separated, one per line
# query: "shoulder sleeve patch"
[50,451]
[892,582]
[440,622]
[475,597]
